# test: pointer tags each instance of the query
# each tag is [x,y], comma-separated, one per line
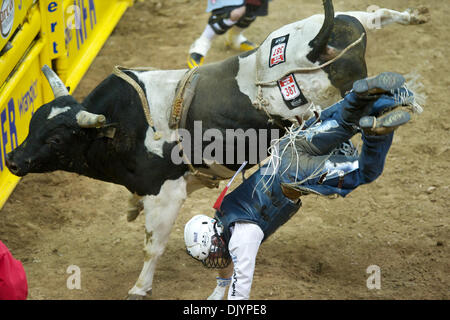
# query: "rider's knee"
[237,13]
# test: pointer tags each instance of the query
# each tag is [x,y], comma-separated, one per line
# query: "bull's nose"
[12,166]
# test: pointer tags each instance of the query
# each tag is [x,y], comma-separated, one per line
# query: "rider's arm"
[243,246]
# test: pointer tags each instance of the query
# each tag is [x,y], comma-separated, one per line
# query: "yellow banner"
[17,104]
[66,35]
[88,24]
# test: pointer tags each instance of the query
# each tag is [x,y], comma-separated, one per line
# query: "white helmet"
[197,236]
[202,236]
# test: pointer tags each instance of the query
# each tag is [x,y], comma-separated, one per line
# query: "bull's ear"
[90,120]
[329,54]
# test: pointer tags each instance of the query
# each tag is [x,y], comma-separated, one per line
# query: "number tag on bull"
[278,51]
[292,95]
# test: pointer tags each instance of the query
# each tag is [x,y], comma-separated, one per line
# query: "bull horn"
[90,120]
[58,87]
[319,43]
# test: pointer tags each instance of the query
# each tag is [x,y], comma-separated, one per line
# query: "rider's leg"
[342,122]
[235,37]
[219,23]
[307,155]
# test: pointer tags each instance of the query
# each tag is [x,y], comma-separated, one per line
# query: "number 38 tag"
[292,95]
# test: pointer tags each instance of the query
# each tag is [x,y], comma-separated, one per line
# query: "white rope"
[293,133]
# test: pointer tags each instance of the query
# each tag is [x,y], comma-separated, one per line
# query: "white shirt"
[243,246]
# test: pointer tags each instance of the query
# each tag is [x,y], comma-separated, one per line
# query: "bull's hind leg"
[160,214]
[383,17]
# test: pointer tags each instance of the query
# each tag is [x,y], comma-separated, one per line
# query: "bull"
[111,136]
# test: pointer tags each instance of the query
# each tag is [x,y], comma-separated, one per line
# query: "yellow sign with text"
[64,34]
[17,105]
[88,24]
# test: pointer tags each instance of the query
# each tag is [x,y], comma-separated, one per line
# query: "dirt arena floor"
[399,223]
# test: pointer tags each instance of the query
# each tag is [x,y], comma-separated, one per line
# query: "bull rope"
[183,98]
[118,71]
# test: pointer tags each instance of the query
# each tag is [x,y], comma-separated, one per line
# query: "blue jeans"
[309,163]
[307,159]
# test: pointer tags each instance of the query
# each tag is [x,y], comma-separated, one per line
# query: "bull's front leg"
[160,214]
[381,18]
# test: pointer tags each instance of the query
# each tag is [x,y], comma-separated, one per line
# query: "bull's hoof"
[132,214]
[136,207]
[133,296]
[419,15]
[138,296]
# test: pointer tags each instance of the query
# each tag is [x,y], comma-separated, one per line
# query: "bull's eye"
[54,140]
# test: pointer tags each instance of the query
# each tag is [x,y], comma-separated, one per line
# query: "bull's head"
[336,34]
[352,65]
[58,134]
